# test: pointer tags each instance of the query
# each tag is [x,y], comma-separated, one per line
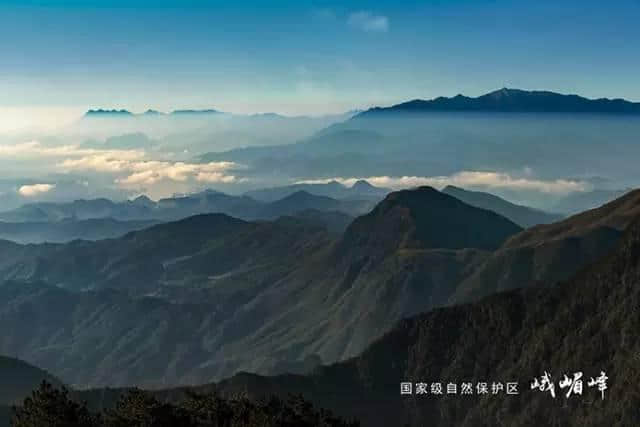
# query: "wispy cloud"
[131,169]
[152,172]
[36,149]
[35,189]
[369,22]
[470,179]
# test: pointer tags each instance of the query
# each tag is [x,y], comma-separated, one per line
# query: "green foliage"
[50,407]
[138,409]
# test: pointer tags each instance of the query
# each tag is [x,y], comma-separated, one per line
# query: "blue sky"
[305,57]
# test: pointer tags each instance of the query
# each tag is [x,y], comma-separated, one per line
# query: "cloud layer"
[470,179]
[130,169]
[35,189]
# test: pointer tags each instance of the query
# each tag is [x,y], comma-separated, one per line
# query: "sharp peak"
[362,182]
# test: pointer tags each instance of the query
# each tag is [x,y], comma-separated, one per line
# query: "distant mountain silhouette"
[107,113]
[521,215]
[69,229]
[513,100]
[361,190]
[110,217]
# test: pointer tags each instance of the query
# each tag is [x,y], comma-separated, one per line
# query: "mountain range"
[332,205]
[522,215]
[586,323]
[556,138]
[103,218]
[514,101]
[69,229]
[182,270]
[123,305]
[360,190]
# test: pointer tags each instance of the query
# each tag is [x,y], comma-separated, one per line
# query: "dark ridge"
[426,218]
[513,101]
[102,112]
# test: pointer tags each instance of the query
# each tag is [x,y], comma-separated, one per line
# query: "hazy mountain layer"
[225,295]
[103,218]
[552,147]
[521,215]
[361,190]
[67,230]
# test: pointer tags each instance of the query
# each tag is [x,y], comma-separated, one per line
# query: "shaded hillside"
[616,214]
[103,218]
[203,298]
[587,324]
[68,230]
[521,215]
[545,254]
[18,379]
[425,218]
[201,250]
[334,221]
[514,100]
[262,297]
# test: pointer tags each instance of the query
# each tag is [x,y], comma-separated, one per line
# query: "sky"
[59,58]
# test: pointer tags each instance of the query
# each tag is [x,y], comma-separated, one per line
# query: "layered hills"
[586,324]
[103,218]
[287,290]
[202,298]
[549,253]
[522,215]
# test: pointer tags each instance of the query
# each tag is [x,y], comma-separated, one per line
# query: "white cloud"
[35,148]
[131,169]
[35,189]
[367,21]
[471,179]
[151,172]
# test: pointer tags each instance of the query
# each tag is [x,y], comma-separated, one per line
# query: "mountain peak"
[425,218]
[143,201]
[362,184]
[511,100]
